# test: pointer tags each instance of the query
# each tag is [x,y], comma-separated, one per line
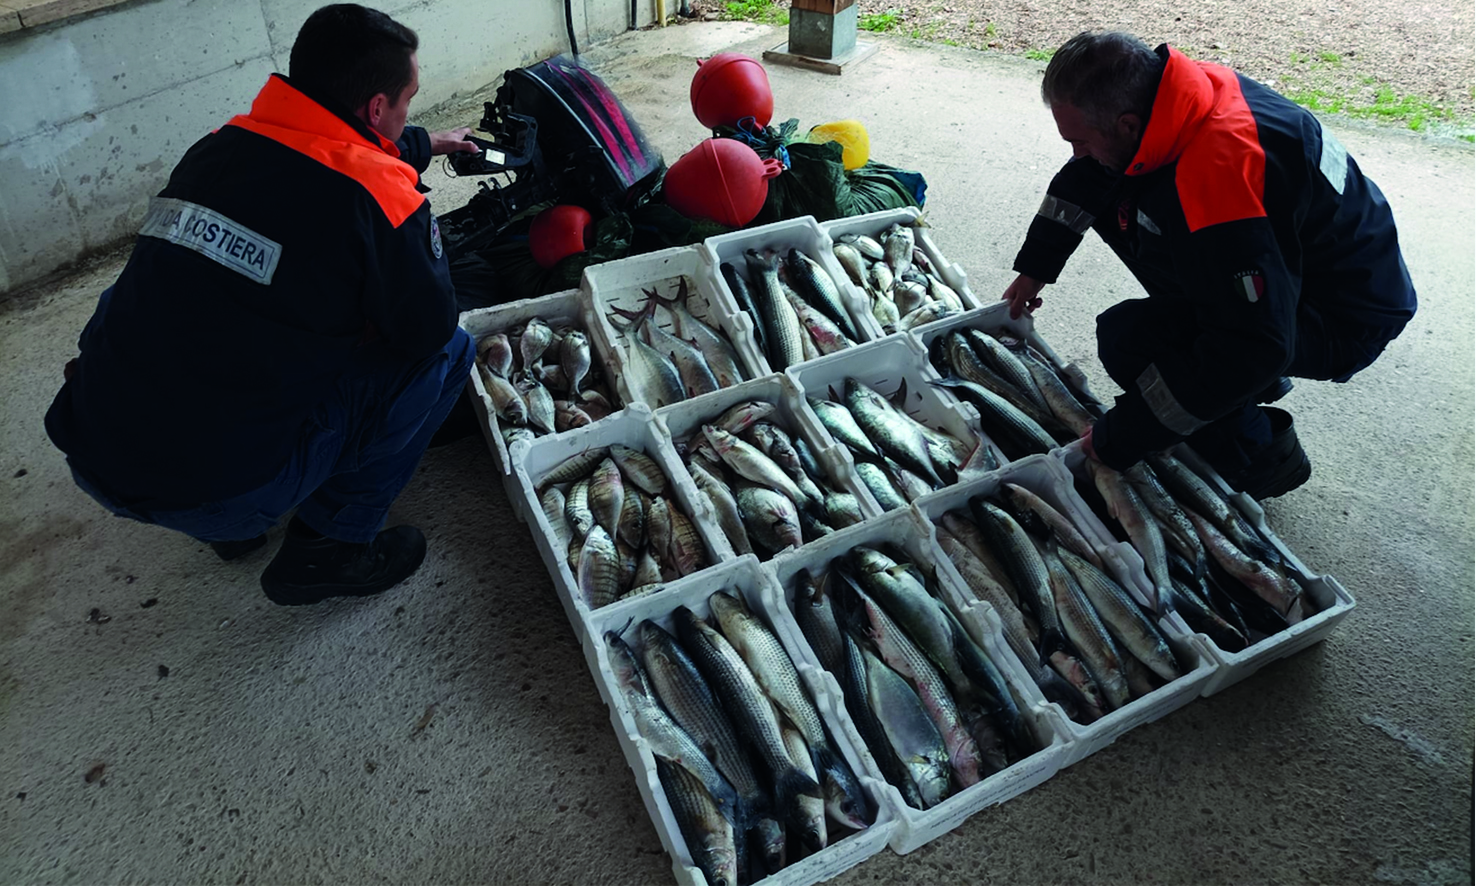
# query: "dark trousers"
[357,451]
[1134,333]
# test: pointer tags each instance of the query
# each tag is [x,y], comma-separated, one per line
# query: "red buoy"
[728,87]
[559,232]
[721,180]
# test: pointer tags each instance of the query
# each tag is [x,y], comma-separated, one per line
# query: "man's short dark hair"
[346,54]
[1104,75]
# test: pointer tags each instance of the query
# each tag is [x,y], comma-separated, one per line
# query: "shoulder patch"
[1334,161]
[435,236]
[1251,284]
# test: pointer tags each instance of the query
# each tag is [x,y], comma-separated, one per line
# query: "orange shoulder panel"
[1221,176]
[291,119]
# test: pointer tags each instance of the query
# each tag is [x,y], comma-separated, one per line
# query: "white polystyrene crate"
[637,429]
[620,284]
[872,224]
[803,234]
[754,584]
[1045,476]
[884,366]
[916,827]
[559,308]
[1328,593]
[683,420]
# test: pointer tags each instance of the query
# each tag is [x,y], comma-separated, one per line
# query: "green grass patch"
[1384,106]
[764,12]
[1040,55]
[880,22]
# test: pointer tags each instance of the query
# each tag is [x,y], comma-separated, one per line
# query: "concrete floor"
[448,731]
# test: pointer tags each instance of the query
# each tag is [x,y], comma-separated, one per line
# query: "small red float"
[559,232]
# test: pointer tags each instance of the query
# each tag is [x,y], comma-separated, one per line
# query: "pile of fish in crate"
[839,569]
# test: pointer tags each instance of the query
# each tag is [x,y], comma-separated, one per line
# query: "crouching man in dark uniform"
[1264,250]
[284,334]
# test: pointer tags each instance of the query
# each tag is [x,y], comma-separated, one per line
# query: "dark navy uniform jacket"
[283,241]
[1241,206]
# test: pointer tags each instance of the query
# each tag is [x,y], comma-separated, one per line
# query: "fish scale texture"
[283,744]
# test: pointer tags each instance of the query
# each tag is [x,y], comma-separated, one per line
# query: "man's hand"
[1023,295]
[451,141]
[1086,444]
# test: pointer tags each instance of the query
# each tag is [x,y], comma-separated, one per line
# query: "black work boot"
[230,550]
[311,568]
[1278,468]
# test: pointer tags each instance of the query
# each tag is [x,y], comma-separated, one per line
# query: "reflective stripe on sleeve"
[1164,405]
[1068,214]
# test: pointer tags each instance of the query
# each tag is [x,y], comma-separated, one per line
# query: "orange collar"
[285,115]
[280,104]
[1185,98]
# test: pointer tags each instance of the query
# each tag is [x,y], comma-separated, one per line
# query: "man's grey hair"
[1103,74]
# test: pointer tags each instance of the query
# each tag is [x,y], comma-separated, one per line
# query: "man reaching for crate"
[284,334]
[1265,252]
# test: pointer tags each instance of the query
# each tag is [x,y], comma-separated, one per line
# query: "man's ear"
[1130,126]
[375,109]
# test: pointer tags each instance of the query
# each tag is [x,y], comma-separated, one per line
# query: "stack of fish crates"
[895,365]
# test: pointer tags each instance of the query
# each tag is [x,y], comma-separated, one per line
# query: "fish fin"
[791,784]
[898,400]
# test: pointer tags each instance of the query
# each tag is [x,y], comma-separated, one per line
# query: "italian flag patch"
[1251,284]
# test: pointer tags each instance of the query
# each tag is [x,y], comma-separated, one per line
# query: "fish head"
[850,811]
[622,660]
[772,844]
[719,863]
[931,774]
[870,560]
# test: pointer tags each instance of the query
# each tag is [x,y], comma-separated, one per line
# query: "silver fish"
[740,417]
[574,359]
[599,569]
[540,403]
[687,552]
[710,837]
[769,517]
[697,377]
[822,331]
[897,243]
[870,249]
[552,502]
[606,495]
[495,352]
[1124,620]
[537,336]
[577,510]
[897,437]
[506,400]
[640,469]
[814,285]
[653,372]
[781,326]
[749,462]
[842,425]
[716,350]
[876,481]
[842,509]
[665,738]
[808,816]
[909,730]
[1088,636]
[752,712]
[631,527]
[576,467]
[1128,509]
[724,505]
[567,416]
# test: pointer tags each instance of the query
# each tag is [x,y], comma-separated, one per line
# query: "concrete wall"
[94,112]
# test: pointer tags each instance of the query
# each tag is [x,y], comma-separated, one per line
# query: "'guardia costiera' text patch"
[213,236]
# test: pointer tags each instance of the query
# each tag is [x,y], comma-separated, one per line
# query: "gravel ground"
[1409,64]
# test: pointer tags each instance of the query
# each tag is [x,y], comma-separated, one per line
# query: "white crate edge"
[754,583]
